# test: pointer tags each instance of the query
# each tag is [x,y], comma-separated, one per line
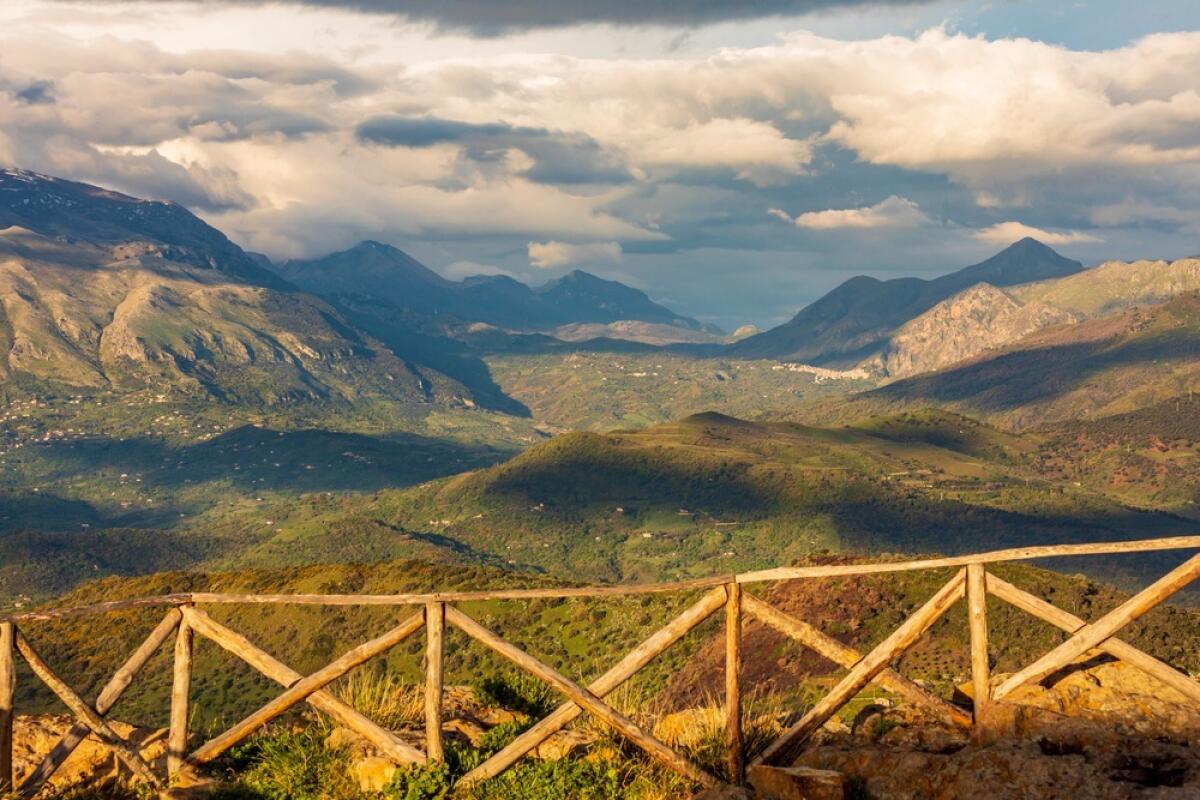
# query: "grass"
[384,698]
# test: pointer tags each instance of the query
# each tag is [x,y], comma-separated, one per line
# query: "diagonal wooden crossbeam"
[847,657]
[86,714]
[622,671]
[105,701]
[302,689]
[387,743]
[1070,623]
[581,697]
[1090,636]
[865,670]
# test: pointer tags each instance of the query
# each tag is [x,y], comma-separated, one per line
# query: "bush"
[424,782]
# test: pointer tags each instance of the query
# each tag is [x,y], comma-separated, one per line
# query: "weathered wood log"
[48,614]
[181,700]
[1092,635]
[733,691]
[386,742]
[783,573]
[107,698]
[86,714]
[620,590]
[581,697]
[1115,647]
[994,556]
[435,623]
[861,673]
[8,687]
[847,657]
[299,691]
[977,624]
[622,671]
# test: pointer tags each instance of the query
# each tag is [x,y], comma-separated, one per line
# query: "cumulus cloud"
[476,151]
[1004,233]
[554,157]
[892,212]
[551,255]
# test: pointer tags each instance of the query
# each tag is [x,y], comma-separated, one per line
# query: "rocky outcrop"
[971,322]
[1104,732]
[92,764]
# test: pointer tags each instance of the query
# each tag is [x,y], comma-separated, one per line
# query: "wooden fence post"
[733,671]
[435,625]
[181,689]
[8,686]
[977,619]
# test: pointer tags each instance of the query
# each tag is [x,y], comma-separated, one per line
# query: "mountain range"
[371,272]
[854,321]
[102,291]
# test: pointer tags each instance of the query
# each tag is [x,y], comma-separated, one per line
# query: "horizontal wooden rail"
[617,590]
[992,557]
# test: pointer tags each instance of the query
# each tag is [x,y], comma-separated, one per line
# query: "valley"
[446,420]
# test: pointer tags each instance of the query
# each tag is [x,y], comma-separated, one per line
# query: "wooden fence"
[184,618]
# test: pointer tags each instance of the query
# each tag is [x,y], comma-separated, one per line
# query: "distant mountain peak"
[851,322]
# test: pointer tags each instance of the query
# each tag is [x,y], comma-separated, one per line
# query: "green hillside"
[128,484]
[600,391]
[710,494]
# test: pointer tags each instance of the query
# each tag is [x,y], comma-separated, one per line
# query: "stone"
[796,783]
[373,773]
[465,729]
[92,764]
[562,744]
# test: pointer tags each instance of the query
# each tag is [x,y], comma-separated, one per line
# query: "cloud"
[550,255]
[1004,233]
[466,269]
[892,212]
[554,157]
[490,18]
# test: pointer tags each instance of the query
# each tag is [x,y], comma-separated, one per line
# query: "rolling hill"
[712,493]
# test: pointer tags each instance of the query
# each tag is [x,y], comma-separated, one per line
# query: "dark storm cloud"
[557,157]
[494,17]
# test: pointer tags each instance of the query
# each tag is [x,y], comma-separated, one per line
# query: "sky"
[734,158]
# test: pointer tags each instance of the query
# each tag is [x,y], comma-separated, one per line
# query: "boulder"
[796,783]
